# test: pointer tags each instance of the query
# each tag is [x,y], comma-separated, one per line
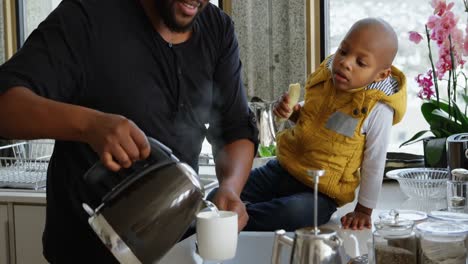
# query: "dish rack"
[24,164]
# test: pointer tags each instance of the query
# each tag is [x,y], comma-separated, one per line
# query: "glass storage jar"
[394,240]
[442,242]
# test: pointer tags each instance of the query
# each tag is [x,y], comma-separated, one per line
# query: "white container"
[442,242]
[394,240]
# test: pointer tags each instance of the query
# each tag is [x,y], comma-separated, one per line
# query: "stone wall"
[35,12]
[272,39]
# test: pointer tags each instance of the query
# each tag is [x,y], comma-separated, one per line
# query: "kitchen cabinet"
[4,235]
[22,220]
[29,224]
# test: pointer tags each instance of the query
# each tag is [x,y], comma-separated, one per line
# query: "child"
[343,127]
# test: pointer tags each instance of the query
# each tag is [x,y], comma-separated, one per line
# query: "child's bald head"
[380,36]
[365,55]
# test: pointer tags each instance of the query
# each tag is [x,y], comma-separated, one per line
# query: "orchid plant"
[446,115]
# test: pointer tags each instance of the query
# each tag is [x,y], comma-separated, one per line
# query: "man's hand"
[227,199]
[117,140]
[359,219]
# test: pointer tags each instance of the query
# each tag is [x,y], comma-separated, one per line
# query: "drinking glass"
[456,196]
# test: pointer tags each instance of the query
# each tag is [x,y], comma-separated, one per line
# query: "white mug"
[217,235]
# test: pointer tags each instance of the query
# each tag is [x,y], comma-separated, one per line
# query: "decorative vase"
[435,152]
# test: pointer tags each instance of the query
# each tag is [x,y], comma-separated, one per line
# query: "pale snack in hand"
[294,93]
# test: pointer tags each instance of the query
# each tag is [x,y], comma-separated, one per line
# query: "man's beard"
[166,10]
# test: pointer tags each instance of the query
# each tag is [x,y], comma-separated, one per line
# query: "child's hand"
[281,107]
[356,220]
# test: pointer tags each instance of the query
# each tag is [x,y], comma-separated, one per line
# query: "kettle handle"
[109,184]
[280,239]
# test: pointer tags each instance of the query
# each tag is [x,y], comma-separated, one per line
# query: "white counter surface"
[256,247]
[22,196]
[252,247]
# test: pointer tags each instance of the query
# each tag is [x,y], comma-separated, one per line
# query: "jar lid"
[442,228]
[459,174]
[413,215]
[449,216]
[393,225]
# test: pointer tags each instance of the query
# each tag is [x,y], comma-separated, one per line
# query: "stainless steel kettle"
[457,152]
[146,209]
[311,244]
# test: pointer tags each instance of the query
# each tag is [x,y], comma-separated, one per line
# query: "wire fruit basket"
[428,183]
[24,164]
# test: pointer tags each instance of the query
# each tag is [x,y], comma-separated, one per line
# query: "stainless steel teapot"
[311,245]
[146,209]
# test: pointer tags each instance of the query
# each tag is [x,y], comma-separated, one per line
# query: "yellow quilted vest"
[312,144]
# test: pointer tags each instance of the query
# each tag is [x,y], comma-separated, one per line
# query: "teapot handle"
[339,244]
[280,239]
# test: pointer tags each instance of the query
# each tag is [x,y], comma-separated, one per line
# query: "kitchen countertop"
[23,196]
[256,247]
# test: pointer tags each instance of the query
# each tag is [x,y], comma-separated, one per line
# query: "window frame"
[10,27]
[316,26]
[20,23]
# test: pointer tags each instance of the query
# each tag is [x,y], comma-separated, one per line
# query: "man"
[101,75]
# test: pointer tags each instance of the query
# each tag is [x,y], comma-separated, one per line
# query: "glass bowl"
[422,182]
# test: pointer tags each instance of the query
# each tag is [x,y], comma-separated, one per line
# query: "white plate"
[413,215]
[449,216]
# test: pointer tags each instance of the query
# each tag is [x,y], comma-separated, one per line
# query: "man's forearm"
[25,115]
[233,164]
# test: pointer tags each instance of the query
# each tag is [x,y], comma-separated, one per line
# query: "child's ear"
[382,75]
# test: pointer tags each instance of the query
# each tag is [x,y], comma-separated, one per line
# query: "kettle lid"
[461,137]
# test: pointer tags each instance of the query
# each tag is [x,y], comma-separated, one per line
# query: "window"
[412,59]
[31,13]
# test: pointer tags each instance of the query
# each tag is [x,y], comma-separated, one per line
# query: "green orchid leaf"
[438,133]
[465,98]
[415,138]
[443,104]
[441,120]
[427,108]
[460,116]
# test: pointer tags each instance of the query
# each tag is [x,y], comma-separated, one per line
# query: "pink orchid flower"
[465,43]
[415,37]
[465,46]
[440,7]
[425,82]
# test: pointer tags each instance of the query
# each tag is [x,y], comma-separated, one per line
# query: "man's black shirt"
[105,55]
